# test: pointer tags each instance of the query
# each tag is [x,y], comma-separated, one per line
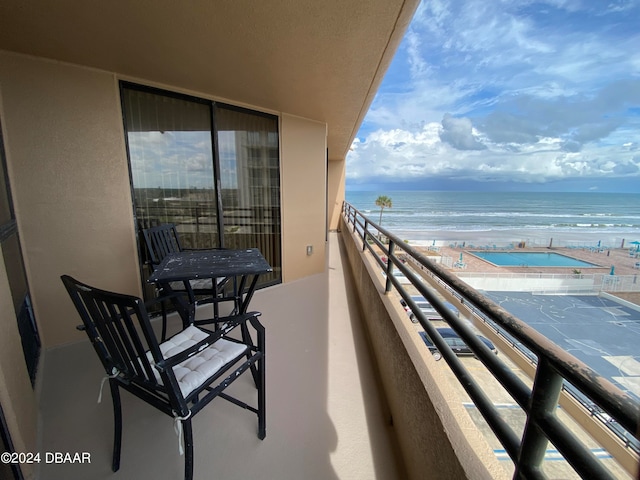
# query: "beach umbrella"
[613,269]
[460,256]
[637,244]
[599,241]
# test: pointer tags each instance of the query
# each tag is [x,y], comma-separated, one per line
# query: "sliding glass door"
[171,160]
[250,181]
[211,169]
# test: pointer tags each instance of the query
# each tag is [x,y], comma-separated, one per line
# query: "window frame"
[213,106]
[21,299]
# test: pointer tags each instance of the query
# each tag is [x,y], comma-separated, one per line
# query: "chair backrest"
[160,241]
[113,323]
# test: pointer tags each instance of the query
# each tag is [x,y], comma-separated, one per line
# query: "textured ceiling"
[321,60]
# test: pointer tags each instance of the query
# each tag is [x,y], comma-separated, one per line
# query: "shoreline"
[515,236]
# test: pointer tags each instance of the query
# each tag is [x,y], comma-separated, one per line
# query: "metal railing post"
[547,387]
[388,284]
[364,233]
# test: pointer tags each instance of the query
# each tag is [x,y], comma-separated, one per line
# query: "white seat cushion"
[194,371]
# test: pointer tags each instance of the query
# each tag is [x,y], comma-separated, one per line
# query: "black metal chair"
[162,240]
[178,377]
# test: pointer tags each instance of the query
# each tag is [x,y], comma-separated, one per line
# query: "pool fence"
[545,283]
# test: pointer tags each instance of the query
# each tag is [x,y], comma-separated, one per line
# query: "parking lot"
[601,332]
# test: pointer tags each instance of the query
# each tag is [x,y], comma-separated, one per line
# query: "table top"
[193,264]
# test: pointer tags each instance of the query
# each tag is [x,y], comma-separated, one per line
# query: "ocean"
[566,219]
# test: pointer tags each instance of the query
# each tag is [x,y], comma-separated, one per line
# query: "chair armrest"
[230,323]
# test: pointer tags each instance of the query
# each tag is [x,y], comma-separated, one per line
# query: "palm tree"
[383,202]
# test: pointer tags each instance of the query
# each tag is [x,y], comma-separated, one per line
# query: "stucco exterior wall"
[67,163]
[336,174]
[68,169]
[303,189]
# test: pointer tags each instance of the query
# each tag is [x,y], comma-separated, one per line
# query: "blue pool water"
[531,259]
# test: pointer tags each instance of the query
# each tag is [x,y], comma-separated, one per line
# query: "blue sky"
[508,95]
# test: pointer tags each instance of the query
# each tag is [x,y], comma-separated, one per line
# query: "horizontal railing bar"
[581,458]
[507,378]
[630,443]
[501,429]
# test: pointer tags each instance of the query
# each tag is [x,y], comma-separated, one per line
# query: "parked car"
[424,306]
[458,345]
[398,275]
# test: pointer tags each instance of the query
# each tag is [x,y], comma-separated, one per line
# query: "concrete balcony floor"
[326,417]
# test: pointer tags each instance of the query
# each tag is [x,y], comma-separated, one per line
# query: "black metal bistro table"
[243,266]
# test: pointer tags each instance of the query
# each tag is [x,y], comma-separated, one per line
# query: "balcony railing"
[595,412]
[553,367]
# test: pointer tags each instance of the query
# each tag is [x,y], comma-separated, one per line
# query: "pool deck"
[619,258]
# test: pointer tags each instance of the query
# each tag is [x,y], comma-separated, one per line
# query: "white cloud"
[175,159]
[510,90]
[459,133]
[402,155]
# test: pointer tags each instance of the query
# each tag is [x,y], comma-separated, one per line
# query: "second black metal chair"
[163,240]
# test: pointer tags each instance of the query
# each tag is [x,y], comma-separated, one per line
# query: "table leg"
[186,309]
[243,304]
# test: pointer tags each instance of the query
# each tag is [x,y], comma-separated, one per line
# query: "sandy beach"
[530,237]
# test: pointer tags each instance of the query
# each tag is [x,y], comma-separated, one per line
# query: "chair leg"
[259,374]
[117,425]
[187,433]
[262,421]
[164,321]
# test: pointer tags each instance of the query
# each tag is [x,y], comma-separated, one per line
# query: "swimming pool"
[532,259]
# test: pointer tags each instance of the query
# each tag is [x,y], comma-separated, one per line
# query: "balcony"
[351,393]
[326,415]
